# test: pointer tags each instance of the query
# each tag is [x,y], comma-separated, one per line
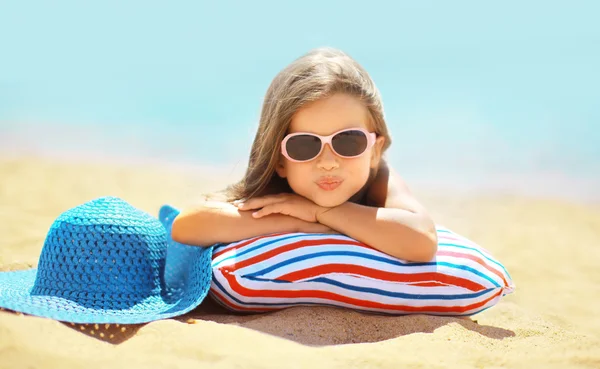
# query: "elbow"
[185,230]
[178,230]
[423,246]
[426,247]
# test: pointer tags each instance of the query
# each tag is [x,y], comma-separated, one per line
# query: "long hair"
[317,74]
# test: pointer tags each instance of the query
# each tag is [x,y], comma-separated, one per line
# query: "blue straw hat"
[107,262]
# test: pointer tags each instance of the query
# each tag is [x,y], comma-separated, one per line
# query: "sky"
[467,86]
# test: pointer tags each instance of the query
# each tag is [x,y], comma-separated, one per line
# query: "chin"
[329,200]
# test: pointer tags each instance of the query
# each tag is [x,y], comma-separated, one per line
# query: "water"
[501,97]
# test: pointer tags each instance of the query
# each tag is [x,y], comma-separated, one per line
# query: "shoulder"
[389,190]
[222,196]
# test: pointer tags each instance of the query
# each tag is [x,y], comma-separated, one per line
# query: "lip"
[329,183]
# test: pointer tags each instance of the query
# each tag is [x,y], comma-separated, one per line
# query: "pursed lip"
[329,182]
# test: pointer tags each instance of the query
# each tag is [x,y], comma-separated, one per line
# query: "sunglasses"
[347,143]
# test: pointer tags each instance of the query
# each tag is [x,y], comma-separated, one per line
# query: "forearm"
[396,232]
[222,223]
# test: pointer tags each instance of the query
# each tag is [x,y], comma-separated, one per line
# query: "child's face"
[330,180]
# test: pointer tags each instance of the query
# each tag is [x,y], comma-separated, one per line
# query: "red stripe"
[429,284]
[473,286]
[281,249]
[327,241]
[245,243]
[474,258]
[234,306]
[247,292]
[426,277]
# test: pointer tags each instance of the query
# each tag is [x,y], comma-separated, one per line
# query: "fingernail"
[240,204]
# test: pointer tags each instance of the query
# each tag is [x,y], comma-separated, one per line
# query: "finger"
[276,208]
[259,202]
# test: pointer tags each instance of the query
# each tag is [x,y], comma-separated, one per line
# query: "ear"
[280,168]
[377,151]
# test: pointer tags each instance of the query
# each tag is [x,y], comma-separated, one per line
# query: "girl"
[316,166]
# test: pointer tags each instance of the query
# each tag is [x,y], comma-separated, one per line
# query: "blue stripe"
[366,256]
[398,261]
[265,244]
[479,252]
[402,295]
[330,253]
[259,279]
[475,249]
[307,303]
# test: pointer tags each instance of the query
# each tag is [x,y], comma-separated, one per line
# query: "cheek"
[298,176]
[358,171]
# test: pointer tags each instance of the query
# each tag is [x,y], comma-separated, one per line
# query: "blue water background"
[478,95]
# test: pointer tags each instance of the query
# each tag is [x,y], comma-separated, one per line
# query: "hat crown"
[103,252]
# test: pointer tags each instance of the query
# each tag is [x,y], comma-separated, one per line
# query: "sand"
[551,248]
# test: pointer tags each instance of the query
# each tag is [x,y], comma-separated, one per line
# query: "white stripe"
[280,242]
[359,295]
[352,260]
[488,263]
[463,241]
[259,304]
[231,257]
[359,261]
[320,260]
[465,273]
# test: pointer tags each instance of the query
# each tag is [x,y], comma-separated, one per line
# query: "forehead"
[331,114]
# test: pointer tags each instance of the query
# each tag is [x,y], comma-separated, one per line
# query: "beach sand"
[551,248]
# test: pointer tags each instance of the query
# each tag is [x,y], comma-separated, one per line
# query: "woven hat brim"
[15,294]
[16,287]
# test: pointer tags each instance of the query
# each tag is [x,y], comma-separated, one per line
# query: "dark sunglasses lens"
[350,143]
[303,147]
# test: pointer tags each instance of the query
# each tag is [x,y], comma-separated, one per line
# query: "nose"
[328,160]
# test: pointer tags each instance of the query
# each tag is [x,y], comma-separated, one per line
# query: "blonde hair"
[318,74]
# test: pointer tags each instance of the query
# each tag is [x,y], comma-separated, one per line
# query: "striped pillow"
[278,271]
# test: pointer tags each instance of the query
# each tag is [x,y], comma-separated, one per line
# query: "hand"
[283,203]
[308,227]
